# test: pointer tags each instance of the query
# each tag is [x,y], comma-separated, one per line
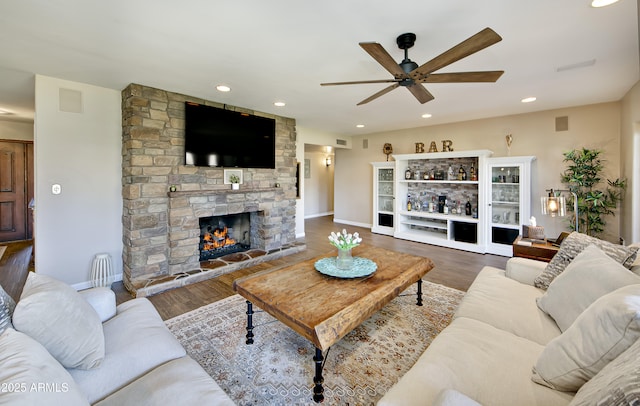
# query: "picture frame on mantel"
[228,173]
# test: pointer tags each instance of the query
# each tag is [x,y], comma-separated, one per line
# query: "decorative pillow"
[56,316]
[589,276]
[635,267]
[31,377]
[7,305]
[617,384]
[605,330]
[572,246]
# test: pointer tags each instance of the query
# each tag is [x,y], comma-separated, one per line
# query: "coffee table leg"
[249,323]
[419,303]
[318,380]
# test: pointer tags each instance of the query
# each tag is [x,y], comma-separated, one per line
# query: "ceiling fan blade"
[462,77]
[380,54]
[420,93]
[380,93]
[357,82]
[467,47]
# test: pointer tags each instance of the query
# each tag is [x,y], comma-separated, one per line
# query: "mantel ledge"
[209,192]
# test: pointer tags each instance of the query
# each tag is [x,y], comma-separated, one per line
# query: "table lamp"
[555,204]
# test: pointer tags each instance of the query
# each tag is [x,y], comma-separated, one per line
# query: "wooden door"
[13,191]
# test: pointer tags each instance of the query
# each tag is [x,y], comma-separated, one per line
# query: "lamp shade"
[554,206]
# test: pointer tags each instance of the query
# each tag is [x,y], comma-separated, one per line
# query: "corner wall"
[630,164]
[80,151]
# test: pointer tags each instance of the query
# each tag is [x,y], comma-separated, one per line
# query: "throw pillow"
[7,305]
[56,316]
[30,376]
[605,330]
[572,246]
[617,384]
[635,267]
[589,276]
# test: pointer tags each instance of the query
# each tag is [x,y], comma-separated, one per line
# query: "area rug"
[278,369]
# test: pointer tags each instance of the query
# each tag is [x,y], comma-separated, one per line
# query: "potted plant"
[235,181]
[595,198]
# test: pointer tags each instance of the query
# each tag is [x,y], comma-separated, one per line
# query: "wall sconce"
[555,204]
[328,161]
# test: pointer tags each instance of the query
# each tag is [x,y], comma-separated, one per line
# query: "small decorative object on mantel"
[344,242]
[387,149]
[419,147]
[509,139]
[233,177]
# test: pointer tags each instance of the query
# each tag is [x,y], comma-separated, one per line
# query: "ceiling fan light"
[602,3]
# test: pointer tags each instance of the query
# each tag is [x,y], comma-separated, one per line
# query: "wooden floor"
[15,264]
[453,268]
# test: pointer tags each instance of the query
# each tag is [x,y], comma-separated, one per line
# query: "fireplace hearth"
[223,235]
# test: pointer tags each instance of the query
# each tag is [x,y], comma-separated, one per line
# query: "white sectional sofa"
[502,349]
[61,347]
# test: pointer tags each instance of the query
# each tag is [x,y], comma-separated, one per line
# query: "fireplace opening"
[223,235]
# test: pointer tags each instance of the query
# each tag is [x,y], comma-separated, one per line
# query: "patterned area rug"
[278,369]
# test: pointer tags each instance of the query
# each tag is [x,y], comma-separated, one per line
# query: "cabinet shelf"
[506,203]
[424,223]
[441,182]
[439,216]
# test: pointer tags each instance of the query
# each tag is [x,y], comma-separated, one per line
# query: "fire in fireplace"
[223,235]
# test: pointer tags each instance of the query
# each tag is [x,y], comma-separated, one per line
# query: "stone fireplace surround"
[161,228]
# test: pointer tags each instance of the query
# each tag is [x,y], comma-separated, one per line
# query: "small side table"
[538,251]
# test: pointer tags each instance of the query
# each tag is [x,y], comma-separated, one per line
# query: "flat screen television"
[223,138]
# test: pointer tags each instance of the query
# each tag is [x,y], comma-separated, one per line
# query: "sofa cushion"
[589,276]
[29,375]
[7,305]
[450,397]
[489,365]
[55,315]
[178,382]
[572,246]
[617,384]
[136,341]
[602,332]
[508,305]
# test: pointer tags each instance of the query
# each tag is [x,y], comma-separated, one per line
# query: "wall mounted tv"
[224,138]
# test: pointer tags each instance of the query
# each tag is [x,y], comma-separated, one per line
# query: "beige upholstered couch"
[66,348]
[502,349]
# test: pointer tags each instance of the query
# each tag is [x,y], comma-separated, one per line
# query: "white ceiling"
[283,49]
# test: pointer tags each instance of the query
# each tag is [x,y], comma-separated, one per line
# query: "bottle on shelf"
[446,207]
[462,173]
[459,207]
[407,174]
[467,208]
[409,202]
[472,172]
[432,204]
[450,175]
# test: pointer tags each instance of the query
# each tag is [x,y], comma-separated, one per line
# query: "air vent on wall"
[562,123]
[70,101]
[341,142]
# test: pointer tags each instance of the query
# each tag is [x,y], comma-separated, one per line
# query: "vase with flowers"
[344,242]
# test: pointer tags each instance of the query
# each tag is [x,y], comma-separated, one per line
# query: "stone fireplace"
[161,228]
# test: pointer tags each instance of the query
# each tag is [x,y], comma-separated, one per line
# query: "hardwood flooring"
[453,268]
[15,263]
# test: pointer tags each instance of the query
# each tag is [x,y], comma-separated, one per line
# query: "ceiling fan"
[408,74]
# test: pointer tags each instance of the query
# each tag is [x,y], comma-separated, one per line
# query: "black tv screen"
[224,138]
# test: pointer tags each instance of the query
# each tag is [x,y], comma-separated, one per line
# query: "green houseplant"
[596,199]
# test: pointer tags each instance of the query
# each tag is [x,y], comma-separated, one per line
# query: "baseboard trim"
[352,223]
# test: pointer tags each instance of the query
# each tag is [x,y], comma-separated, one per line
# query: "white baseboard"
[352,223]
[89,284]
[311,216]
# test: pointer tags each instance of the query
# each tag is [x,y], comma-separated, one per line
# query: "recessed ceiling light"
[602,3]
[426,115]
[528,99]
[223,88]
[360,125]
[279,104]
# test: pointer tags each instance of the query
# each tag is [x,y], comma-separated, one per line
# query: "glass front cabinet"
[383,197]
[509,201]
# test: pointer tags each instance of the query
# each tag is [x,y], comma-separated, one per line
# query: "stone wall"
[160,228]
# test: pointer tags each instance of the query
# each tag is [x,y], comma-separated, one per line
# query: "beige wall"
[593,126]
[630,164]
[16,130]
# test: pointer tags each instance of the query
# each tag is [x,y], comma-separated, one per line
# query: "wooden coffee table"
[323,309]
